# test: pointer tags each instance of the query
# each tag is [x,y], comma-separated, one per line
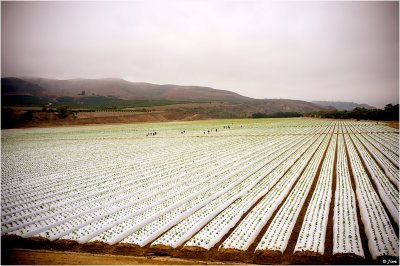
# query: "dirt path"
[44,257]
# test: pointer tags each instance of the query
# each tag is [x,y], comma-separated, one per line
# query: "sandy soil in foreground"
[44,257]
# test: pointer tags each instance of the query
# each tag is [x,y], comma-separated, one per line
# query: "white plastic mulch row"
[249,228]
[278,233]
[123,191]
[96,223]
[386,158]
[113,184]
[119,225]
[346,234]
[381,236]
[76,185]
[148,230]
[313,230]
[188,227]
[386,147]
[224,221]
[388,192]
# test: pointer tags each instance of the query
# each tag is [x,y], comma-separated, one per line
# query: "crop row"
[253,186]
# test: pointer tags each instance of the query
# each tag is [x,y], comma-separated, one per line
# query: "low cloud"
[345,51]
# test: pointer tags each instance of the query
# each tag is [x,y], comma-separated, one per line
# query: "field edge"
[11,243]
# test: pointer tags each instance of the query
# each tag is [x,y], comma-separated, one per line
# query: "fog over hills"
[114,87]
[117,88]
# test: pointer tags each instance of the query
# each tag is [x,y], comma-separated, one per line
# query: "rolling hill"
[121,89]
[119,93]
[341,106]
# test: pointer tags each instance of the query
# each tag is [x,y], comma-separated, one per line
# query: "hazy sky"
[344,51]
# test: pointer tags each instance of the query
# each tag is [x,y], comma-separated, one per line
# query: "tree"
[26,116]
[63,111]
[7,118]
[388,107]
[389,113]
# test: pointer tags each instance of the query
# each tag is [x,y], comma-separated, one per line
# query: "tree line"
[389,113]
[276,115]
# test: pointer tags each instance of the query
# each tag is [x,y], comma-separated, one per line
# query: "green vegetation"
[26,116]
[276,115]
[10,119]
[389,113]
[63,111]
[23,100]
[110,102]
[94,102]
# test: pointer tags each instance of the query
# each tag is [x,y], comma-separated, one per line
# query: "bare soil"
[37,250]
[92,118]
[393,124]
[48,257]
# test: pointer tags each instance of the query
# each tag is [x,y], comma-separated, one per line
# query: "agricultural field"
[253,190]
